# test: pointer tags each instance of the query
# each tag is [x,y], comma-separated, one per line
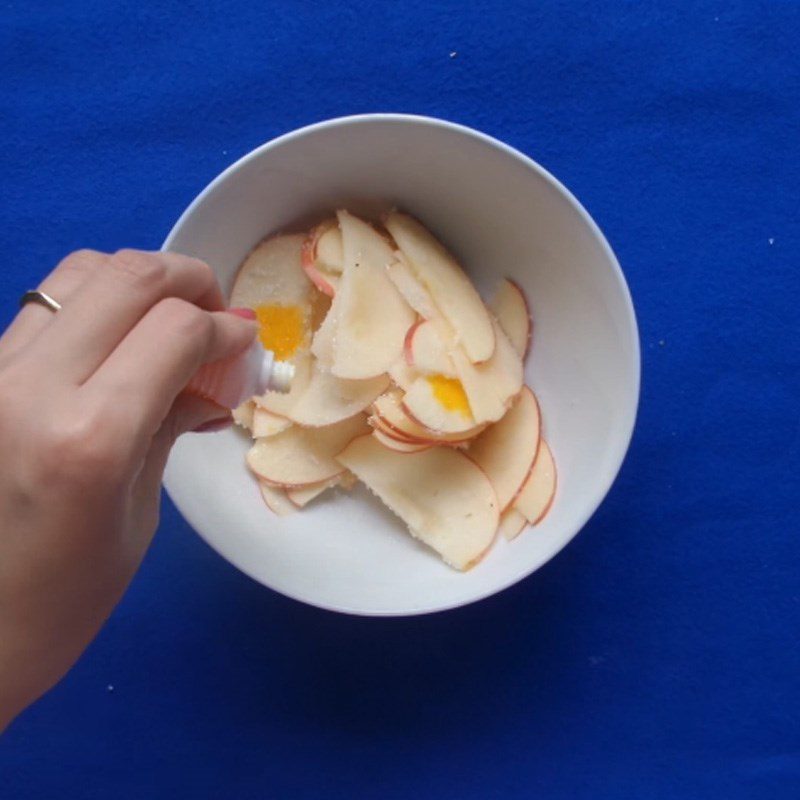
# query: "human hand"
[90,404]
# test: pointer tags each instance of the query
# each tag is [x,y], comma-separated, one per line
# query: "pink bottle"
[231,382]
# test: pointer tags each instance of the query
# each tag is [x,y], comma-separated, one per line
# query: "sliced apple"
[272,274]
[303,496]
[324,338]
[390,408]
[426,350]
[402,374]
[414,293]
[511,309]
[397,445]
[481,392]
[387,432]
[273,284]
[380,424]
[440,404]
[448,285]
[276,499]
[265,423]
[490,386]
[326,282]
[372,317]
[330,255]
[315,267]
[536,496]
[328,399]
[395,329]
[302,456]
[408,354]
[507,450]
[512,523]
[243,414]
[444,498]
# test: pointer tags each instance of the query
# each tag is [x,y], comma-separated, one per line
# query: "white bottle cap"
[282,376]
[270,374]
[229,383]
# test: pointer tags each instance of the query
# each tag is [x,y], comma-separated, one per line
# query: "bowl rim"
[622,444]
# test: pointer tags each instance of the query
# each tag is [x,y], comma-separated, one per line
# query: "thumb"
[188,413]
[191,413]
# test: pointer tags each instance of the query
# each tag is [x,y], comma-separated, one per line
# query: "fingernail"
[214,425]
[244,313]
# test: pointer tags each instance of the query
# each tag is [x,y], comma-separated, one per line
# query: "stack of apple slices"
[404,380]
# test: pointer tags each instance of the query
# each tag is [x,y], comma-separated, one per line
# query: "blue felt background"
[658,656]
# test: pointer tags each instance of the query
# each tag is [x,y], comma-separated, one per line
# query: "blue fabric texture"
[656,657]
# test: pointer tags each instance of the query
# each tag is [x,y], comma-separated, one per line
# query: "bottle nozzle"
[254,372]
[282,376]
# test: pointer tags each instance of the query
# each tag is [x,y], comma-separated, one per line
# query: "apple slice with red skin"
[316,257]
[422,403]
[511,309]
[300,498]
[396,444]
[432,347]
[325,336]
[265,423]
[302,456]
[448,285]
[329,281]
[391,410]
[490,387]
[326,282]
[276,499]
[426,351]
[402,374]
[536,495]
[512,523]
[430,437]
[415,294]
[379,424]
[405,442]
[303,496]
[330,254]
[444,498]
[506,451]
[328,399]
[243,414]
[272,274]
[372,317]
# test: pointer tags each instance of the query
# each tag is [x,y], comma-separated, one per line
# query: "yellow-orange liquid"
[450,393]
[282,329]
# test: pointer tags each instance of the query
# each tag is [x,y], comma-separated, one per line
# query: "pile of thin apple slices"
[405,381]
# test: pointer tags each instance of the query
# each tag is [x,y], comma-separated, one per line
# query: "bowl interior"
[502,216]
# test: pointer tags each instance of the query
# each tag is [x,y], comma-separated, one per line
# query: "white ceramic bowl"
[502,215]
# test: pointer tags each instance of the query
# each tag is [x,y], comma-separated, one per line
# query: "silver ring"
[35,296]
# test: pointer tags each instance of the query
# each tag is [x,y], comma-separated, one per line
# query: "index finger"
[155,361]
[106,307]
